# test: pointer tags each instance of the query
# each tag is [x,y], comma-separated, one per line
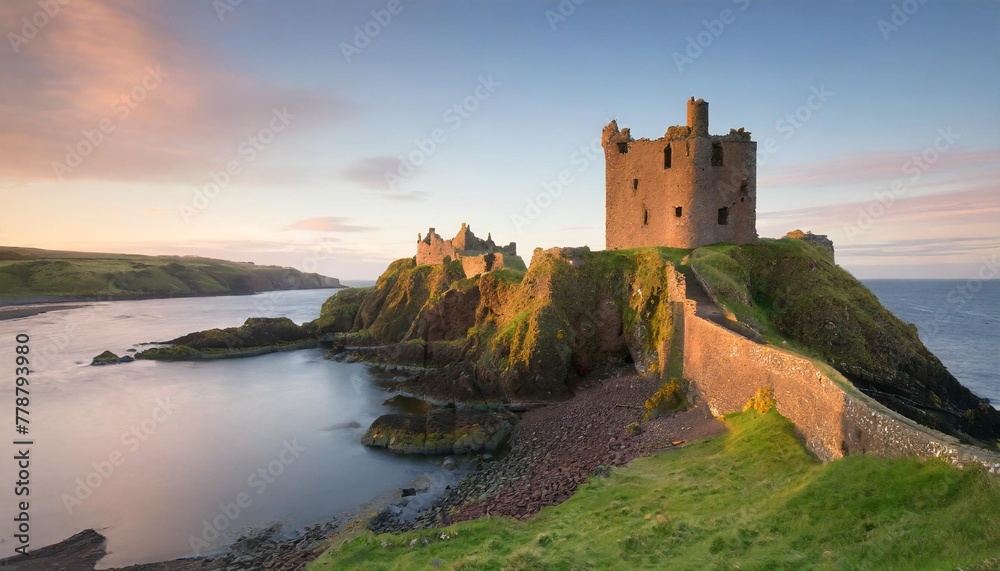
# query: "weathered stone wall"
[726,370]
[651,203]
[432,249]
[477,255]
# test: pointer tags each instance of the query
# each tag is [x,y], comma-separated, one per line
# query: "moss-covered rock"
[792,293]
[573,311]
[670,397]
[105,358]
[389,311]
[338,313]
[172,353]
[514,336]
[255,332]
[447,430]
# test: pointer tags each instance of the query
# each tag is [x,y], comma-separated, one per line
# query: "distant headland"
[36,276]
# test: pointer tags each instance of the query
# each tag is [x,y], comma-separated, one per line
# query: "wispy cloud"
[881,168]
[967,207]
[922,247]
[89,65]
[371,173]
[328,224]
[955,230]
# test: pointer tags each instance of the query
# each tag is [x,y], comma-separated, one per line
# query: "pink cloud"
[882,168]
[967,206]
[175,111]
[954,227]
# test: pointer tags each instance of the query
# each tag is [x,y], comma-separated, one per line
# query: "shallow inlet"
[187,438]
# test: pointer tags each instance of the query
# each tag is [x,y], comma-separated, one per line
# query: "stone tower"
[684,190]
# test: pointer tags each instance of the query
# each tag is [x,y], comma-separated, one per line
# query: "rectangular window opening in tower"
[678,211]
[716,154]
[666,156]
[623,148]
[635,185]
[724,216]
[645,217]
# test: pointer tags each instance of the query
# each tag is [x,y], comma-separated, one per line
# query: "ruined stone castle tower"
[476,255]
[684,190]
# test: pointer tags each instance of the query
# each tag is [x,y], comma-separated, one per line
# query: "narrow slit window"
[645,217]
[724,215]
[678,211]
[716,154]
[635,184]
[623,148]
[687,148]
[744,191]
[666,157]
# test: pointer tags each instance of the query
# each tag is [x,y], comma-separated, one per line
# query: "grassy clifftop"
[792,294]
[751,499]
[28,272]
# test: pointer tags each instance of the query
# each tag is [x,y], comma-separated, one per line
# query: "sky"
[326,135]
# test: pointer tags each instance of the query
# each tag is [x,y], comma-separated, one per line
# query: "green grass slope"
[26,272]
[751,499]
[793,295]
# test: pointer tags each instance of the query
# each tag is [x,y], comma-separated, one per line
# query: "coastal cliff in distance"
[32,275]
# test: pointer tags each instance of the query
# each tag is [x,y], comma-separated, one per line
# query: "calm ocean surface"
[189,437]
[958,320]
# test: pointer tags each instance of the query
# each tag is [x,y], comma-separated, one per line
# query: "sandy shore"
[18,311]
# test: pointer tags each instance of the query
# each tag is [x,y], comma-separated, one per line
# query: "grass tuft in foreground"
[751,499]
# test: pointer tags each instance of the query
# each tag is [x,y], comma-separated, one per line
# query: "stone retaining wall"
[727,369]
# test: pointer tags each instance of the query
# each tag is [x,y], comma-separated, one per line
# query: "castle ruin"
[684,190]
[476,255]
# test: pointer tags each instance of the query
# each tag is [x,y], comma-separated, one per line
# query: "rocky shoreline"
[551,451]
[554,449]
[269,548]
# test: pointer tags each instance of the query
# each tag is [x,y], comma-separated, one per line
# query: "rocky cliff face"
[389,311]
[514,337]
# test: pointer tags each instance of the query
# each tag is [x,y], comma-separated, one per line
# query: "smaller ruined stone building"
[683,190]
[475,254]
